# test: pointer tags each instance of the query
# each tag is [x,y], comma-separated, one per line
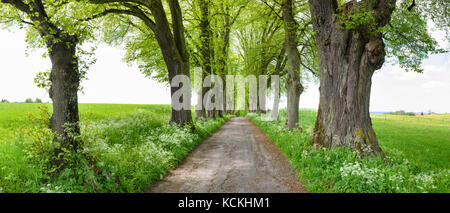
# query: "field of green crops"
[418,150]
[124,148]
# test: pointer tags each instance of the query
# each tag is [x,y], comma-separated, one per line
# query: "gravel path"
[237,158]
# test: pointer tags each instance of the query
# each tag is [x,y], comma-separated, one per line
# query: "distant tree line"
[402,112]
[28,100]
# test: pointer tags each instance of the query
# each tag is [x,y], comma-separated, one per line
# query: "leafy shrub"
[39,143]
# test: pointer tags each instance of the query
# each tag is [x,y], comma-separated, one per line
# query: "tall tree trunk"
[348,59]
[183,116]
[65,81]
[201,114]
[279,69]
[224,109]
[223,70]
[205,48]
[276,101]
[293,84]
[173,48]
[229,20]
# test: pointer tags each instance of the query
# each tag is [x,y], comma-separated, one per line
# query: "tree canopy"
[245,37]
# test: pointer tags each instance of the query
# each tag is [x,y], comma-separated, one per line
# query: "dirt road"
[237,158]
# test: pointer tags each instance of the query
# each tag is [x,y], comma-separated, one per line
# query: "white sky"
[112,81]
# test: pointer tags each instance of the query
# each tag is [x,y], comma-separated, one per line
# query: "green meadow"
[14,116]
[423,140]
[418,150]
[124,148]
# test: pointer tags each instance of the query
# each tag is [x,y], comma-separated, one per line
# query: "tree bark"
[65,81]
[348,59]
[293,84]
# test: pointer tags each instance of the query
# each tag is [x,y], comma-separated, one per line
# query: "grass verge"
[341,170]
[122,151]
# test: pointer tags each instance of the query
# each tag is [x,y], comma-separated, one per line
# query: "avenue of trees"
[340,43]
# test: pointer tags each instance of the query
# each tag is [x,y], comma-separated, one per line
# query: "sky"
[111,80]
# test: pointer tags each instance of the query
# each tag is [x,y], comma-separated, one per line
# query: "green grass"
[13,116]
[418,152]
[124,149]
[424,141]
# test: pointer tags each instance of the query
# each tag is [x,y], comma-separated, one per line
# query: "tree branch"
[139,2]
[272,8]
[133,12]
[19,5]
[412,5]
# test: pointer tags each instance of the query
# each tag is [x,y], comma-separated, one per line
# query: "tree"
[280,71]
[227,15]
[353,39]
[170,38]
[260,39]
[201,46]
[300,63]
[205,47]
[55,25]
[294,86]
[208,31]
